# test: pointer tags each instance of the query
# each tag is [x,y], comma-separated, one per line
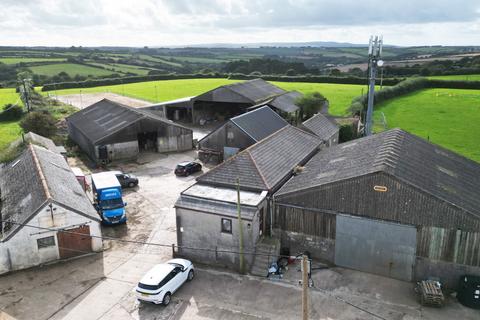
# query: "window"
[226,225]
[46,242]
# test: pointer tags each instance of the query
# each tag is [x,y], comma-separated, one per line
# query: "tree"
[39,122]
[291,72]
[310,104]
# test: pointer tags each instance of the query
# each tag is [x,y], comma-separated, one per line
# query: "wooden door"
[74,242]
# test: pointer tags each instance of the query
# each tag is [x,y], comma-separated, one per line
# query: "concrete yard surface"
[101,286]
[84,100]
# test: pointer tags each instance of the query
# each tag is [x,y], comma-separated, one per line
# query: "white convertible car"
[163,280]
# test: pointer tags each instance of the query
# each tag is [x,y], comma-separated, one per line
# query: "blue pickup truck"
[107,198]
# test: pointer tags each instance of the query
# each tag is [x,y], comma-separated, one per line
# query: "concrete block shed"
[109,131]
[391,204]
[260,169]
[44,213]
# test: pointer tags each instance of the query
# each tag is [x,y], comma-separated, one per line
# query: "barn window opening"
[46,242]
[226,225]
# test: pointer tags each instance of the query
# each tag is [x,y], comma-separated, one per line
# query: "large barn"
[391,204]
[206,212]
[109,131]
[230,100]
[44,213]
[239,133]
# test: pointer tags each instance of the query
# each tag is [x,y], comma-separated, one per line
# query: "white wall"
[21,251]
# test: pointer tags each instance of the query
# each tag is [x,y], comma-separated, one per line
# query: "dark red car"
[187,168]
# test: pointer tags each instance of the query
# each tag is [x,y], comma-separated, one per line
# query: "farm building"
[239,133]
[109,131]
[37,139]
[207,213]
[324,128]
[40,199]
[227,101]
[391,204]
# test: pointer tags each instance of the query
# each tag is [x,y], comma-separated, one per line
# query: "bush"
[11,112]
[310,104]
[39,122]
[346,133]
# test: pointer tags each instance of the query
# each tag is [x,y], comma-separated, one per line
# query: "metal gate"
[74,242]
[375,246]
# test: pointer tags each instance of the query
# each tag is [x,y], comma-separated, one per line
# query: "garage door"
[374,246]
[74,242]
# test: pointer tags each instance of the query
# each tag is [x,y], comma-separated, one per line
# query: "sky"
[158,23]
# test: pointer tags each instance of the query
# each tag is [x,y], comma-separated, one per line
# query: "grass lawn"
[9,131]
[8,95]
[463,77]
[340,95]
[71,69]
[25,60]
[448,117]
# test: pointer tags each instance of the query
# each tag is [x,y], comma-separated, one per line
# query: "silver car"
[163,280]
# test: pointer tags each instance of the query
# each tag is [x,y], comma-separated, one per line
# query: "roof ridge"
[40,172]
[258,170]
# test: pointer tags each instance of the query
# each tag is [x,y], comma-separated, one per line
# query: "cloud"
[162,22]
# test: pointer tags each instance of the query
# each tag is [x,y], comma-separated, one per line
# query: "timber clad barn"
[109,131]
[239,133]
[40,199]
[391,204]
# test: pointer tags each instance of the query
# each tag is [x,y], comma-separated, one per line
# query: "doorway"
[147,141]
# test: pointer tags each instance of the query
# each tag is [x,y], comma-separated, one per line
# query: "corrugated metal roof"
[265,164]
[251,91]
[23,192]
[259,123]
[39,140]
[286,101]
[106,117]
[321,126]
[214,206]
[435,170]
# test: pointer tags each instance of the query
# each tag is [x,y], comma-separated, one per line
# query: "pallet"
[430,293]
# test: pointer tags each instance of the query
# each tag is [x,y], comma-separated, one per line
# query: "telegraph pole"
[240,229]
[26,95]
[374,53]
[305,287]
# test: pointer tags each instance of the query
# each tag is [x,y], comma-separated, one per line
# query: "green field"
[8,95]
[10,130]
[462,77]
[71,69]
[122,68]
[25,60]
[339,95]
[448,117]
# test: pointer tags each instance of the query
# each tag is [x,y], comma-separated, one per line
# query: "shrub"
[11,112]
[346,133]
[39,122]
[310,104]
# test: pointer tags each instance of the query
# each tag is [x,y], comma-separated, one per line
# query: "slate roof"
[321,126]
[435,170]
[252,91]
[106,117]
[264,165]
[39,176]
[39,140]
[259,123]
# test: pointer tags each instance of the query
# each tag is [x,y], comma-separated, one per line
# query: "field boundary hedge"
[408,86]
[235,76]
